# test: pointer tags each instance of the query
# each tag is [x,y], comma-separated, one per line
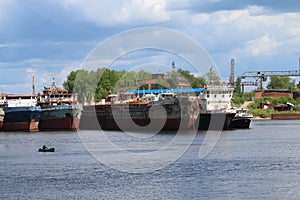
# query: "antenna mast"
[33,87]
[53,80]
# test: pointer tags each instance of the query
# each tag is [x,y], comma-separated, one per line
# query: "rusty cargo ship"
[59,110]
[166,110]
[21,112]
[167,113]
[24,118]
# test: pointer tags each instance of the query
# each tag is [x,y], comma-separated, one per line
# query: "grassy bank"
[266,113]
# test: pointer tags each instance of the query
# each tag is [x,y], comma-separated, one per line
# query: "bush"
[239,99]
[297,107]
[283,100]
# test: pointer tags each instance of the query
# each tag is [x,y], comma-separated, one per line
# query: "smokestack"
[231,79]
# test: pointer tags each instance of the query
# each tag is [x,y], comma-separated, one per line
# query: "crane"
[262,76]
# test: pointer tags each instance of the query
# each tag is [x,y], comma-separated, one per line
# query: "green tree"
[143,75]
[195,82]
[84,86]
[239,99]
[110,82]
[173,80]
[93,85]
[201,81]
[281,82]
[162,83]
[69,83]
[212,77]
[237,88]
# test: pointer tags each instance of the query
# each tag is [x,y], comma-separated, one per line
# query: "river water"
[259,163]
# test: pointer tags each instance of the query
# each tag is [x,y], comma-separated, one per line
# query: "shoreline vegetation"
[263,108]
[287,102]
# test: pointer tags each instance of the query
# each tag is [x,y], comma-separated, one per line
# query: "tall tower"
[173,66]
[231,79]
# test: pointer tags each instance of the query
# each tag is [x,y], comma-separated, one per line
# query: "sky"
[51,38]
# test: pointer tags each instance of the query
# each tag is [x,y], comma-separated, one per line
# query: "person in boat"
[44,147]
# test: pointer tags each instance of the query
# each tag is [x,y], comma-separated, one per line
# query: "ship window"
[207,96]
[223,95]
[215,96]
[207,92]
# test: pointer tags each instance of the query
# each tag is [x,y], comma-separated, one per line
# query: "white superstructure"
[14,100]
[216,98]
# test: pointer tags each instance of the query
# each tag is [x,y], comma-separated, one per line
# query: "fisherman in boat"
[44,147]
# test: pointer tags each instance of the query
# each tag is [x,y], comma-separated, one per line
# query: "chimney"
[231,79]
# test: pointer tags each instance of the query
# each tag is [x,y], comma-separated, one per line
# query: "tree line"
[96,85]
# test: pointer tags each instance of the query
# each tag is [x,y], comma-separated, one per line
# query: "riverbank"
[260,118]
[285,116]
[279,116]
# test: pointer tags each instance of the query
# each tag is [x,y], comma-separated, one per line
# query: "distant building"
[277,93]
[273,94]
[156,76]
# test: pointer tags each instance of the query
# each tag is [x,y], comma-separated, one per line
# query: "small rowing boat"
[46,149]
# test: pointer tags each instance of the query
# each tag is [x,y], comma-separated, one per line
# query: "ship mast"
[53,82]
[33,87]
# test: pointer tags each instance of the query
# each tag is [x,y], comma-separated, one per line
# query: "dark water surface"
[260,163]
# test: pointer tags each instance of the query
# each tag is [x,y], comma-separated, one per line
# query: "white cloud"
[256,10]
[145,10]
[4,45]
[225,17]
[177,4]
[200,18]
[264,45]
[115,12]
[240,33]
[30,70]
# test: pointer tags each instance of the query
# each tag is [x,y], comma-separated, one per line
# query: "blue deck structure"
[158,91]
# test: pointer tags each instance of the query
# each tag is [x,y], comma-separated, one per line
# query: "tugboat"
[241,120]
